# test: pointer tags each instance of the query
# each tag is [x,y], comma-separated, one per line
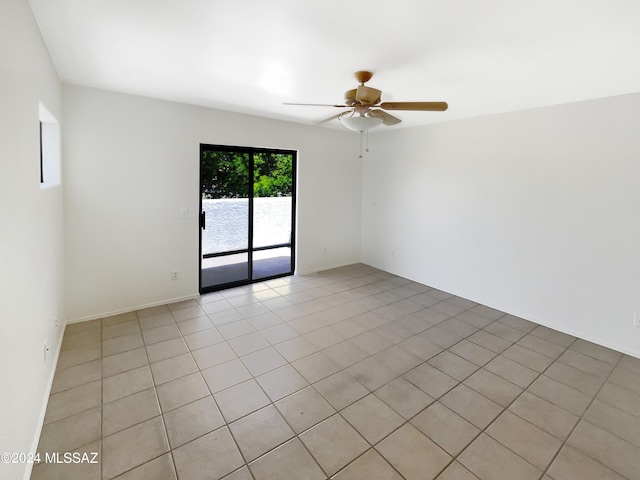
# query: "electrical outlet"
[174,275]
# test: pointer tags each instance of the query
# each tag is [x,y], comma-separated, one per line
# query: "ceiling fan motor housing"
[363,76]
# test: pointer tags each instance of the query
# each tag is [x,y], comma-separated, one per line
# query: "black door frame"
[250,249]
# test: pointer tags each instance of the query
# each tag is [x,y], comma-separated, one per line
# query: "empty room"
[341,240]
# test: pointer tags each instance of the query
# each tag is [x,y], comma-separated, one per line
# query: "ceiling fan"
[366,111]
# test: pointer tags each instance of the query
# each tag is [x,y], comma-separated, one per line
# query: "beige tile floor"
[352,373]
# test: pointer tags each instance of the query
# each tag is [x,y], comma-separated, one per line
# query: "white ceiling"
[250,56]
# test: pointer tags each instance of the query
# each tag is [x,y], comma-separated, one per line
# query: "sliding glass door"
[247,215]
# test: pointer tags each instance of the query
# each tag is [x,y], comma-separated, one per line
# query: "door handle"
[203,218]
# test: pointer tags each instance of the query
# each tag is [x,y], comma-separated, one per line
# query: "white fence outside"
[227,223]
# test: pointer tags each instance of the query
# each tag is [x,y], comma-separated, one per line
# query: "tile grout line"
[297,435]
[190,352]
[144,345]
[581,418]
[507,408]
[454,458]
[405,421]
[273,402]
[225,425]
[396,375]
[504,409]
[564,442]
[155,391]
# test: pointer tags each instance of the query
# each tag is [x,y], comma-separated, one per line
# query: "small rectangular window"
[41,162]
[49,149]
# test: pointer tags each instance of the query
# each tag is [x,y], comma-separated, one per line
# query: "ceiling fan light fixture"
[360,123]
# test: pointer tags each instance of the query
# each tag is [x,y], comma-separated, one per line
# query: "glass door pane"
[225,225]
[272,214]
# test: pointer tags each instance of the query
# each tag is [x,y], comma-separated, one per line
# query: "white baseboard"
[322,268]
[588,338]
[131,309]
[45,403]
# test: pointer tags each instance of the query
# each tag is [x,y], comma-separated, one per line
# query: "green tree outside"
[226,174]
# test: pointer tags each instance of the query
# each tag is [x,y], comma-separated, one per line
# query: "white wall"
[131,164]
[31,234]
[536,213]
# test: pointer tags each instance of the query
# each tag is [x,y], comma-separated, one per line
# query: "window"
[49,149]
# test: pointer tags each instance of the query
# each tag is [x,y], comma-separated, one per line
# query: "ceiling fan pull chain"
[360,156]
[367,149]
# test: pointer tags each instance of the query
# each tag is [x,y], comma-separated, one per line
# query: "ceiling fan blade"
[387,118]
[332,117]
[316,104]
[368,95]
[422,106]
